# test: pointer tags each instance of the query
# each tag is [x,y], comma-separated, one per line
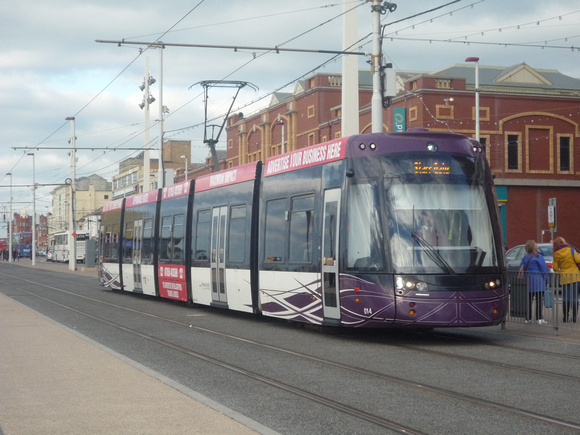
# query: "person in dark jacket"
[534,266]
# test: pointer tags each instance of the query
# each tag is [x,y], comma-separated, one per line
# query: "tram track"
[333,404]
[507,346]
[402,346]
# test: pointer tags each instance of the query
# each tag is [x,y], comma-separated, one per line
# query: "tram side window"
[147,249]
[111,247]
[165,239]
[128,243]
[364,235]
[115,242]
[301,229]
[275,248]
[107,237]
[202,237]
[237,237]
[178,240]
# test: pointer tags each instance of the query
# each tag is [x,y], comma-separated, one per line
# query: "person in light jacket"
[534,266]
[566,259]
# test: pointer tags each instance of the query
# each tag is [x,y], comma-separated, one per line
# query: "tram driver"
[430,229]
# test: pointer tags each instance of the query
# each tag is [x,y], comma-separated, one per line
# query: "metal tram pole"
[10,223]
[33,249]
[72,251]
[377,100]
[476,61]
[378,8]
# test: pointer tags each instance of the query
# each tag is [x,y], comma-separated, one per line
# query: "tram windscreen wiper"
[433,254]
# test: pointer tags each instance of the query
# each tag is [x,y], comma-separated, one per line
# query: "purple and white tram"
[374,230]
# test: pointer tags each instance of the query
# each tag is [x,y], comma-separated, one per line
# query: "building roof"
[279,97]
[520,75]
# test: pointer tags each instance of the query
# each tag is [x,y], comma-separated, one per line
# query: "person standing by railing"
[566,259]
[534,266]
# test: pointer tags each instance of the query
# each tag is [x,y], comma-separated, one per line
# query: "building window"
[334,81]
[311,139]
[443,84]
[564,153]
[444,112]
[311,111]
[512,151]
[484,113]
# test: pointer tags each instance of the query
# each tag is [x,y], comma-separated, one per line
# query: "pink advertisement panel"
[225,178]
[306,157]
[113,205]
[141,198]
[180,189]
[172,282]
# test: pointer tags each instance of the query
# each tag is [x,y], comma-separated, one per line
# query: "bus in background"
[24,242]
[60,248]
[3,248]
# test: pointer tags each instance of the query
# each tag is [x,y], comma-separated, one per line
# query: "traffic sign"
[552,220]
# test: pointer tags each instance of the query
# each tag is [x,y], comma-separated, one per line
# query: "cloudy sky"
[51,67]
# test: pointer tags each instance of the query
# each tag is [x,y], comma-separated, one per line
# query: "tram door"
[137,246]
[218,254]
[330,277]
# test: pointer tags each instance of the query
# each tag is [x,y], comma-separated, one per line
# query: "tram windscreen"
[436,221]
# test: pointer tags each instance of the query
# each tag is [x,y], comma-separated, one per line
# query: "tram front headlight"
[408,284]
[399,283]
[432,146]
[493,284]
[422,286]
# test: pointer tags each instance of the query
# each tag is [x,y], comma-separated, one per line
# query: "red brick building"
[22,223]
[529,122]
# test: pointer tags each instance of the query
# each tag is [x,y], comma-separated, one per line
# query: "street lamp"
[10,223]
[476,60]
[184,157]
[33,253]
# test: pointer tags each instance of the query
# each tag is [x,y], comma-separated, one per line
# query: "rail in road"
[296,379]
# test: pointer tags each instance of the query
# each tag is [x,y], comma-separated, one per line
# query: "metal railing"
[544,299]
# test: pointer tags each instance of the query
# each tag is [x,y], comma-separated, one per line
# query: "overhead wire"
[157,40]
[270,93]
[109,83]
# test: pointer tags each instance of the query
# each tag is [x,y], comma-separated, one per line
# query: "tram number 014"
[368,311]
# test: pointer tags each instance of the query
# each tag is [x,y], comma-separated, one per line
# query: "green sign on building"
[400,119]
